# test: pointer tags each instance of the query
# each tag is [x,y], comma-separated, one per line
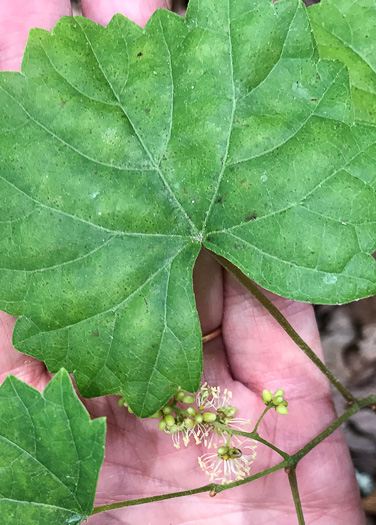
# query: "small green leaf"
[346,31]
[50,454]
[124,151]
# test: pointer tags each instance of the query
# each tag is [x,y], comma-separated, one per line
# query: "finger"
[261,355]
[17,18]
[13,362]
[9,356]
[208,288]
[260,352]
[101,11]
[216,367]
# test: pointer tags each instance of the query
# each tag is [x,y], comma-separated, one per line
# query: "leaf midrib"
[44,467]
[80,219]
[233,109]
[146,149]
[306,268]
[300,202]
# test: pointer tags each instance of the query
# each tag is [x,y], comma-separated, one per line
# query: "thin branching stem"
[204,488]
[251,435]
[295,494]
[254,431]
[290,461]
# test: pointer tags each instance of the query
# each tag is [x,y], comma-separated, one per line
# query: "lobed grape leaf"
[50,454]
[124,151]
[346,31]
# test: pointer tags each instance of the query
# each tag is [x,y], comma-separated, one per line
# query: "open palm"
[252,354]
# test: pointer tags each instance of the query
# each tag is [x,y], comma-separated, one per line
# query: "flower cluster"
[275,401]
[210,419]
[210,407]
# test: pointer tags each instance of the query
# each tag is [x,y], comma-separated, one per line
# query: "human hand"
[252,354]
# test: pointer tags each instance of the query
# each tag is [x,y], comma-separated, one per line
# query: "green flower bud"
[266,396]
[209,417]
[222,451]
[282,410]
[199,418]
[162,424]
[167,409]
[231,411]
[169,420]
[157,415]
[180,395]
[279,392]
[189,423]
[130,410]
[188,400]
[277,400]
[122,402]
[191,411]
[284,403]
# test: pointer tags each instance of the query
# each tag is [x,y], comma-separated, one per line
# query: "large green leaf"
[345,30]
[50,454]
[125,150]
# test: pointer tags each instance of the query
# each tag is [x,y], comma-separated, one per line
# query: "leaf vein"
[233,109]
[55,136]
[294,264]
[141,141]
[114,307]
[296,131]
[75,217]
[36,460]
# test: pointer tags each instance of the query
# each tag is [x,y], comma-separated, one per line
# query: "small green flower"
[162,424]
[188,400]
[267,396]
[189,423]
[283,410]
[180,395]
[169,420]
[209,417]
[157,415]
[229,463]
[277,400]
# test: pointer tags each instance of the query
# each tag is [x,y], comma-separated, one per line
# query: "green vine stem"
[254,431]
[251,435]
[295,494]
[205,488]
[283,322]
[290,461]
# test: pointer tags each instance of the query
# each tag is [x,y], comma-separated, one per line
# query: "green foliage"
[346,31]
[50,454]
[124,151]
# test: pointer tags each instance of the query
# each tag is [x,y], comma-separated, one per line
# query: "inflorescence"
[275,401]
[209,420]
